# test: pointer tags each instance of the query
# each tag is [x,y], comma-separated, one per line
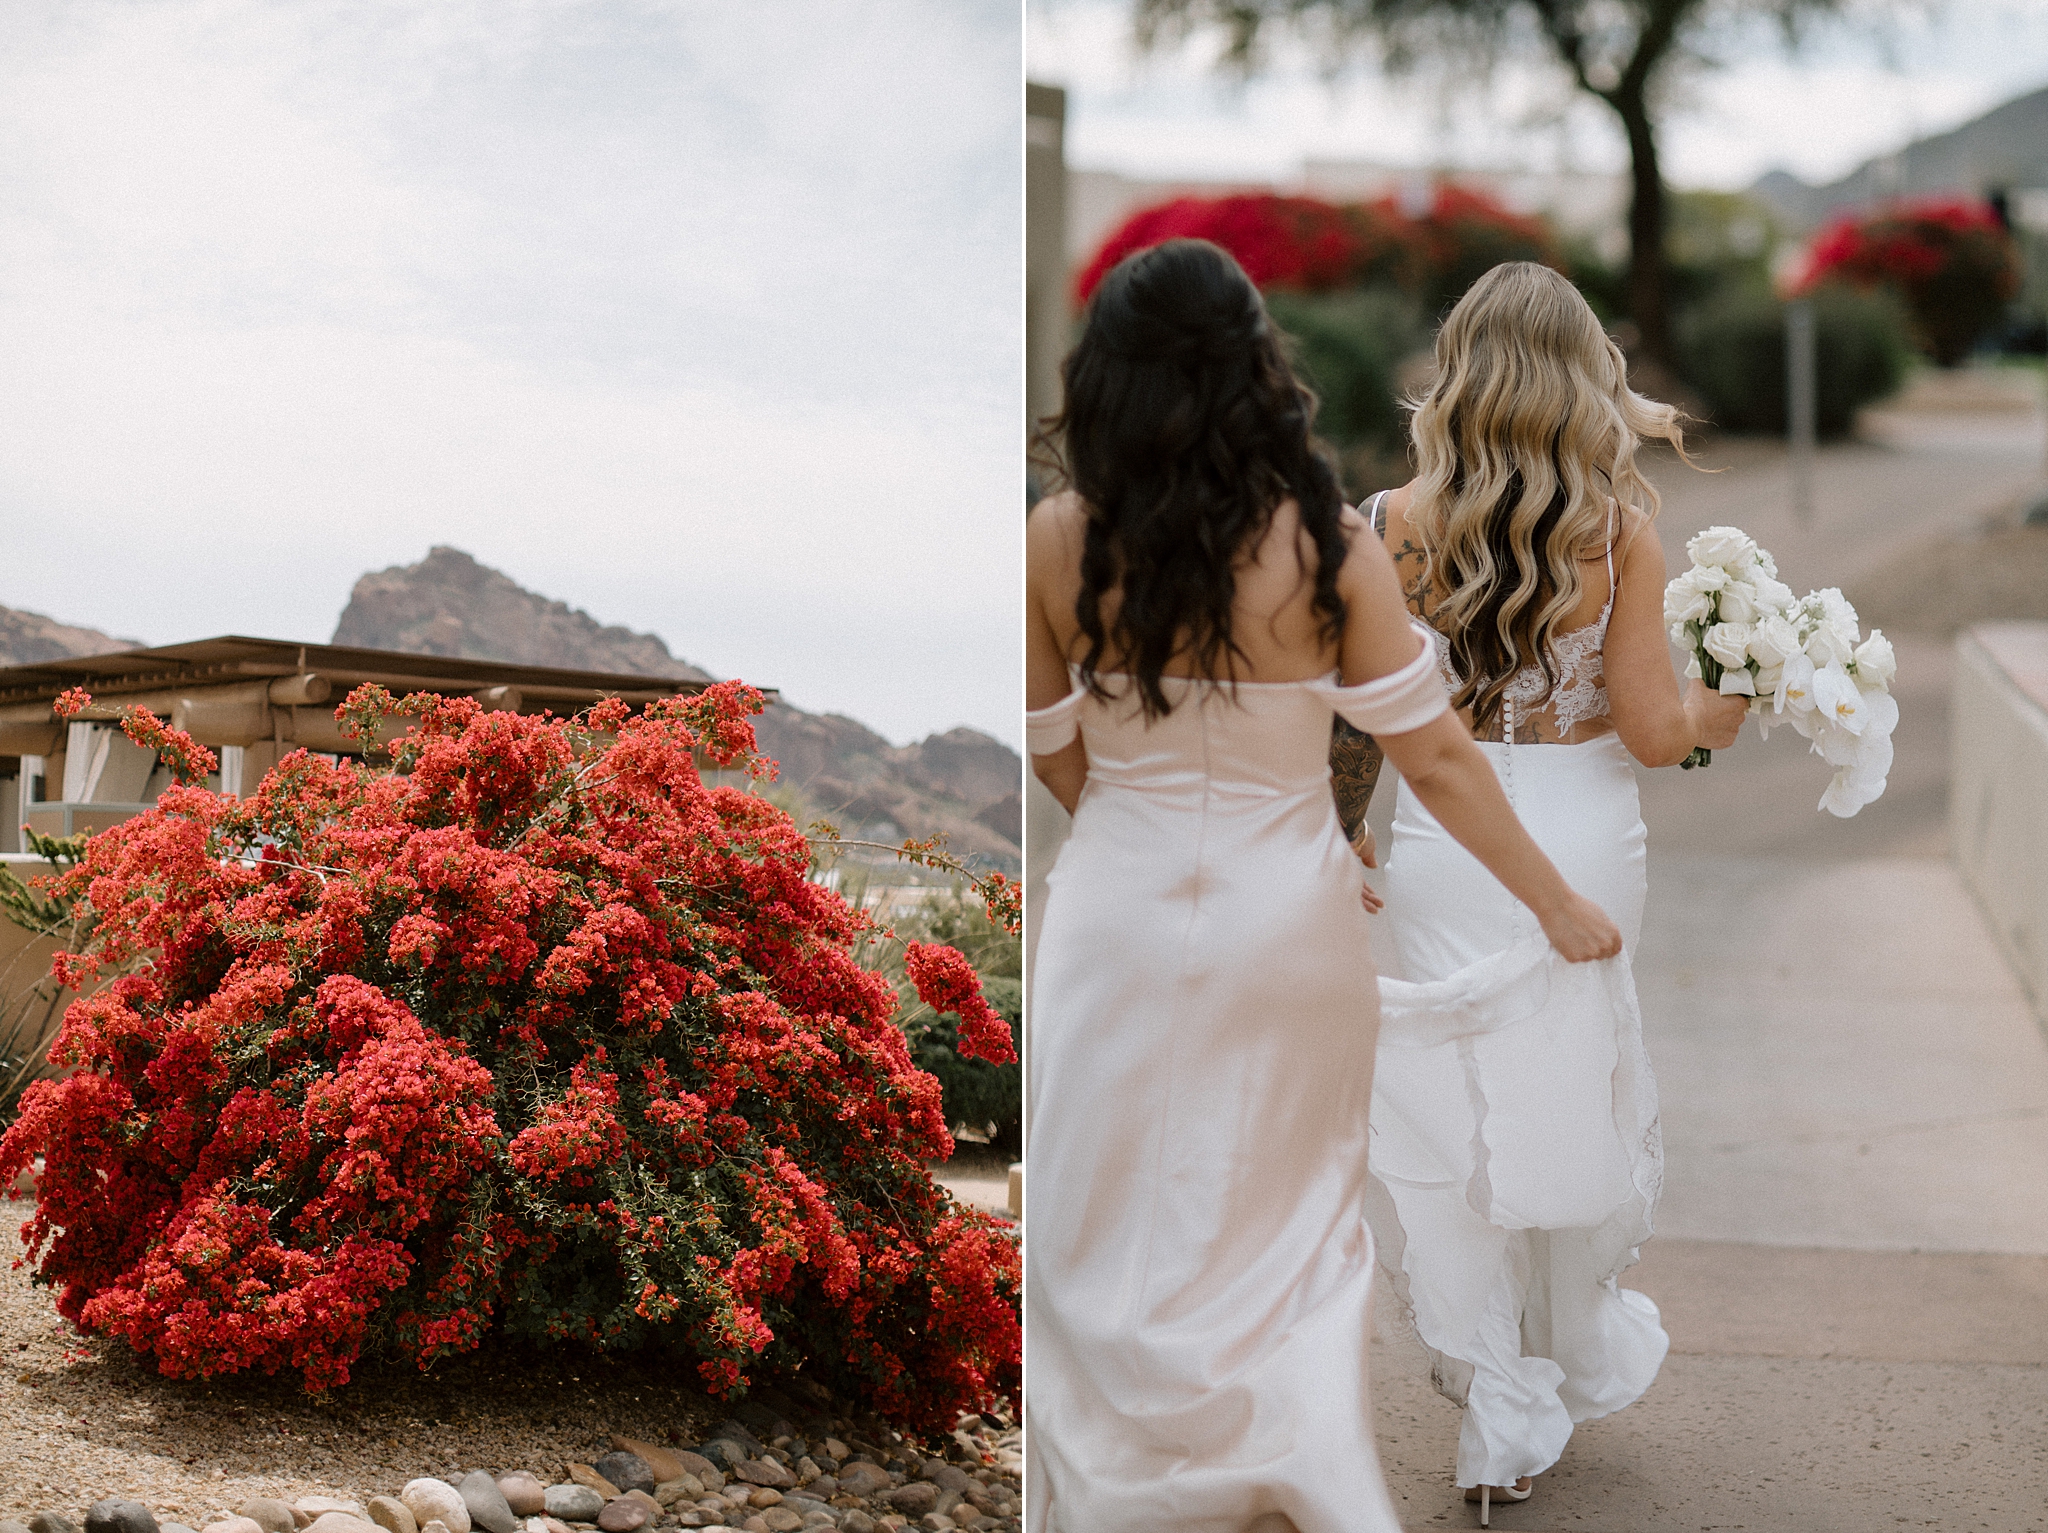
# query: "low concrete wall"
[1998,793]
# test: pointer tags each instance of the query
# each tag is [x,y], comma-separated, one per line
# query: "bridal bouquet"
[1802,660]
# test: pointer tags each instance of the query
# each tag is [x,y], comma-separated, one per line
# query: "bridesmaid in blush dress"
[1203,1010]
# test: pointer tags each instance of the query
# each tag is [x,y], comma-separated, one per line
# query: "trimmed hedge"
[1732,349]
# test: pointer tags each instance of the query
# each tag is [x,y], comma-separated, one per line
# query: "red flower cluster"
[1950,260]
[946,982]
[538,1031]
[1316,246]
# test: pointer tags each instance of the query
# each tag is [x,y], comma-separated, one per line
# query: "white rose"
[1737,682]
[1838,615]
[1826,645]
[1726,547]
[1767,678]
[1774,595]
[1876,664]
[1775,640]
[1728,643]
[1685,602]
[1738,603]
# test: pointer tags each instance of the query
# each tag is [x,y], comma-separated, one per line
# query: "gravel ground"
[83,1419]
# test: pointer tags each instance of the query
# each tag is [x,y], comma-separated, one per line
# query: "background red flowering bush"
[1949,259]
[538,1031]
[1305,245]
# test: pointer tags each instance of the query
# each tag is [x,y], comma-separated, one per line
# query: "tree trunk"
[1648,283]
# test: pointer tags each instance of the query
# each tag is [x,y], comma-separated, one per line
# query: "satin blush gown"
[1203,1018]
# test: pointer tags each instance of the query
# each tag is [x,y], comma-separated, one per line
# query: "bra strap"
[1376,513]
[1611,587]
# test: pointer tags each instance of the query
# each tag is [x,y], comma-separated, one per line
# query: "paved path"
[1853,1247]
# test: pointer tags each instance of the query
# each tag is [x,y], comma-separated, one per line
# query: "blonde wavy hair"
[1525,444]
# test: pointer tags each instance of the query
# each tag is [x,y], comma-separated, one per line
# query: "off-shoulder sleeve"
[1054,727]
[1399,701]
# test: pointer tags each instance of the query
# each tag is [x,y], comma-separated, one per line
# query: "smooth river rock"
[523,1493]
[432,1500]
[914,1499]
[487,1506]
[574,1503]
[623,1516]
[863,1479]
[233,1525]
[116,1516]
[269,1514]
[664,1462]
[340,1522]
[392,1515]
[628,1471]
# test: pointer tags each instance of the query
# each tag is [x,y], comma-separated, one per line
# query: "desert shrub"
[536,1032]
[1349,346]
[1732,349]
[1950,261]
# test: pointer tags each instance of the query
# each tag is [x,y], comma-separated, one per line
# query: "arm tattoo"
[1355,761]
[1414,586]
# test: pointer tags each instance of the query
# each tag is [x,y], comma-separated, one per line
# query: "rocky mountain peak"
[449,604]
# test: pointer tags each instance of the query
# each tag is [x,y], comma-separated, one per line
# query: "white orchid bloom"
[1839,700]
[1861,779]
[1795,686]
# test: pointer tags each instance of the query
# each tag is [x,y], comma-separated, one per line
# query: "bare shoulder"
[1636,543]
[1054,533]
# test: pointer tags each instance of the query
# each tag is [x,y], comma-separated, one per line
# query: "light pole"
[1800,403]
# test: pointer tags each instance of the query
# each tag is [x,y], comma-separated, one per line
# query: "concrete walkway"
[1852,1255]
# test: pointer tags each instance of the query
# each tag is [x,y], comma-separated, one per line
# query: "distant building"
[251,700]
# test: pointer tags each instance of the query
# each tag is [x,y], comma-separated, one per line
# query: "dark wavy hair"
[1184,430]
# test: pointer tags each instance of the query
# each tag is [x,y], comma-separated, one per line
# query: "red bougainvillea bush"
[536,1031]
[1950,259]
[1307,245]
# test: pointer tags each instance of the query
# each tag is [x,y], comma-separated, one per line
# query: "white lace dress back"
[1543,713]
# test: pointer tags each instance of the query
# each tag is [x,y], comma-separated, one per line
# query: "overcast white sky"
[1859,87]
[702,316]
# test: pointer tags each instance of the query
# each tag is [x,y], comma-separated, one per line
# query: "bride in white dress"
[1515,1156]
[1203,1012]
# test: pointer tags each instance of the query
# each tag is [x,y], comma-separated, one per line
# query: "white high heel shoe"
[1521,1490]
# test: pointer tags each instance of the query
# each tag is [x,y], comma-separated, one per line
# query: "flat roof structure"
[252,700]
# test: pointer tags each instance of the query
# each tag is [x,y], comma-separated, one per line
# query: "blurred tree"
[1620,51]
